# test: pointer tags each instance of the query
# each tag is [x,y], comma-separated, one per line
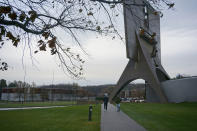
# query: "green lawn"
[72,118]
[33,104]
[163,117]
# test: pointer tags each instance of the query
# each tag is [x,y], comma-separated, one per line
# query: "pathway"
[24,108]
[111,120]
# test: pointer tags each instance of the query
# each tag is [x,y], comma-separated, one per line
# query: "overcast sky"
[107,58]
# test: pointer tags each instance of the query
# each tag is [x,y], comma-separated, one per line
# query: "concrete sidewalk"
[25,108]
[111,120]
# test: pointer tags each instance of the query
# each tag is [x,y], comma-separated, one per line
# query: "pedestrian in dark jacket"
[105,100]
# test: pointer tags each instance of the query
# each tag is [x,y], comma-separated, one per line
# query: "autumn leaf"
[171,5]
[33,15]
[43,47]
[90,13]
[10,36]
[80,10]
[41,42]
[53,51]
[68,49]
[46,35]
[52,42]
[15,42]
[2,30]
[12,16]
[112,6]
[98,28]
[22,16]
[5,9]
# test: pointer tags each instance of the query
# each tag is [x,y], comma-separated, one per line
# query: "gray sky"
[107,58]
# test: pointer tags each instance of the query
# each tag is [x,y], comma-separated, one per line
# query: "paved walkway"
[24,108]
[111,120]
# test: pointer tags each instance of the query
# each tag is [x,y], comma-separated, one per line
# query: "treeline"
[74,88]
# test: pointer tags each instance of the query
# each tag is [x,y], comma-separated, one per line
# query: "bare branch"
[22,26]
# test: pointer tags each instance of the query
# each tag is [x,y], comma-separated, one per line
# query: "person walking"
[105,100]
[117,101]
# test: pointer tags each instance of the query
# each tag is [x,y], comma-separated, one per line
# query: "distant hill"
[95,90]
[101,89]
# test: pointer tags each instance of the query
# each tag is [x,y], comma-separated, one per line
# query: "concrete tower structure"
[142,32]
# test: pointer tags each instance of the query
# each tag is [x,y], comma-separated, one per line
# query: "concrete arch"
[145,69]
[132,73]
[126,83]
[150,92]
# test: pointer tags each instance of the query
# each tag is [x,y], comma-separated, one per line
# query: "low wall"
[176,91]
[181,90]
[38,97]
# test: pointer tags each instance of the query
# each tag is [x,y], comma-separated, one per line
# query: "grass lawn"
[163,117]
[33,104]
[72,118]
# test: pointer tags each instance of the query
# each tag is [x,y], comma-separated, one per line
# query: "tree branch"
[109,2]
[117,2]
[22,26]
